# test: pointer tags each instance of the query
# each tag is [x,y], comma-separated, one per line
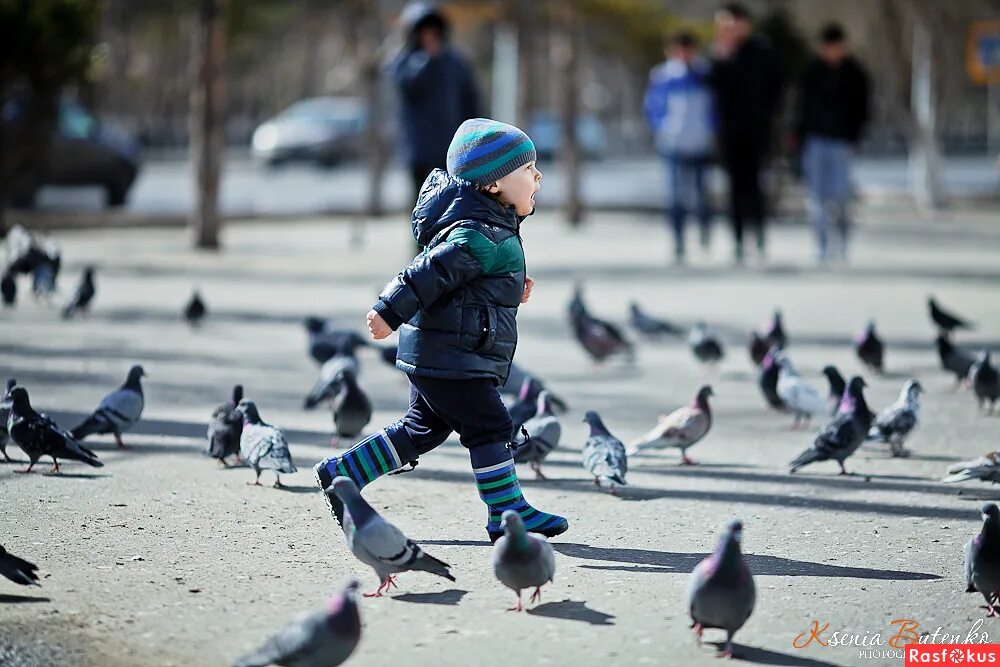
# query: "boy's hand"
[528,284]
[377,326]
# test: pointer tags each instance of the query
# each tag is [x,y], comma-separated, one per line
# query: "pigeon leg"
[55,467]
[537,467]
[686,460]
[518,606]
[697,630]
[537,595]
[377,593]
[390,582]
[277,481]
[727,648]
[27,470]
[118,441]
[335,441]
[7,459]
[843,470]
[256,481]
[611,490]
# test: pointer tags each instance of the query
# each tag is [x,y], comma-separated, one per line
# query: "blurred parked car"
[546,130]
[324,130]
[82,151]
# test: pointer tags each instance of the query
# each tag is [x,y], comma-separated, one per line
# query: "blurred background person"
[678,106]
[746,82]
[436,90]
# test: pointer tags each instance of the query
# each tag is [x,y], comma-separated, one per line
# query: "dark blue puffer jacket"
[455,305]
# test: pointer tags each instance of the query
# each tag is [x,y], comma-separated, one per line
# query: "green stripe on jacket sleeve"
[494,258]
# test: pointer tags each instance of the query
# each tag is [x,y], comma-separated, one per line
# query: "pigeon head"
[512,524]
[870,328]
[931,302]
[727,552]
[734,530]
[19,399]
[991,514]
[248,409]
[596,425]
[134,374]
[237,394]
[314,325]
[11,383]
[852,395]
[633,307]
[775,324]
[912,389]
[345,489]
[342,615]
[701,398]
[984,357]
[88,273]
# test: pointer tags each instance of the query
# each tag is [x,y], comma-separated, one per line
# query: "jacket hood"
[445,200]
[417,13]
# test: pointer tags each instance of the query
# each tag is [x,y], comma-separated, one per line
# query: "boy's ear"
[493,188]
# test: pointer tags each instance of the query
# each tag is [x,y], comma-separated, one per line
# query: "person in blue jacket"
[455,308]
[678,107]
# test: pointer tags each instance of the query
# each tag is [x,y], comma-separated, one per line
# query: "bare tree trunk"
[377,151]
[568,54]
[208,97]
[925,159]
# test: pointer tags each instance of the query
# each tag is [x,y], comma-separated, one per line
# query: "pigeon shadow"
[72,475]
[764,657]
[668,562]
[456,543]
[449,597]
[298,489]
[572,610]
[20,599]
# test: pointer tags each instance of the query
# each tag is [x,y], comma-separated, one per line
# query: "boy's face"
[518,188]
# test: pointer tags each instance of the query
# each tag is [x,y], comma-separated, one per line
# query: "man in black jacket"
[747,84]
[831,113]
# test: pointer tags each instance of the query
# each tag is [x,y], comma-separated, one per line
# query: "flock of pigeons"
[722,593]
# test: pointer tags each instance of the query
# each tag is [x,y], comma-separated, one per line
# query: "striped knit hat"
[484,151]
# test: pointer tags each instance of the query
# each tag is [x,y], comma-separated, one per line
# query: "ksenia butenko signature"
[905,631]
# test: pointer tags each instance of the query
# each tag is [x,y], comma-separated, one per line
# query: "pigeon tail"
[92,425]
[427,563]
[805,458]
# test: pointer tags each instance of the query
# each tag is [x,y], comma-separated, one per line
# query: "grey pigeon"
[263,446]
[225,429]
[4,413]
[522,560]
[379,544]
[599,339]
[722,593]
[705,346]
[326,340]
[85,291]
[544,431]
[842,436]
[195,309]
[837,387]
[985,380]
[802,399]
[46,272]
[982,560]
[767,379]
[757,347]
[870,349]
[648,325]
[954,359]
[118,412]
[681,429]
[328,383]
[945,321]
[325,638]
[37,435]
[352,410]
[985,468]
[604,455]
[8,288]
[895,424]
[17,569]
[774,333]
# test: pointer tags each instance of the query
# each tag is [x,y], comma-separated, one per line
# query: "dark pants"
[744,161]
[471,408]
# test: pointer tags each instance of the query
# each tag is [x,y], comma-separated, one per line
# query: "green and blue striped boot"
[496,480]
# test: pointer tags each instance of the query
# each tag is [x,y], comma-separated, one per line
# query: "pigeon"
[767,379]
[722,592]
[4,414]
[263,446]
[80,303]
[985,380]
[543,433]
[842,436]
[522,560]
[379,544]
[37,435]
[195,310]
[837,387]
[352,410]
[327,341]
[225,428]
[324,638]
[600,339]
[46,271]
[871,349]
[954,359]
[706,347]
[604,455]
[682,428]
[514,384]
[774,334]
[945,321]
[118,412]
[982,559]
[757,347]
[17,569]
[895,424]
[8,288]
[802,399]
[986,468]
[648,325]
[328,383]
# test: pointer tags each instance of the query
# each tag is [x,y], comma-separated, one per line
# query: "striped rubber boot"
[496,481]
[364,463]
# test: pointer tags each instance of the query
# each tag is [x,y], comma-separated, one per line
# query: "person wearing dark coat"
[436,88]
[746,81]
[830,117]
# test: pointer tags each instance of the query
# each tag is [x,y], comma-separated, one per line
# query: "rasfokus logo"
[902,635]
[952,655]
